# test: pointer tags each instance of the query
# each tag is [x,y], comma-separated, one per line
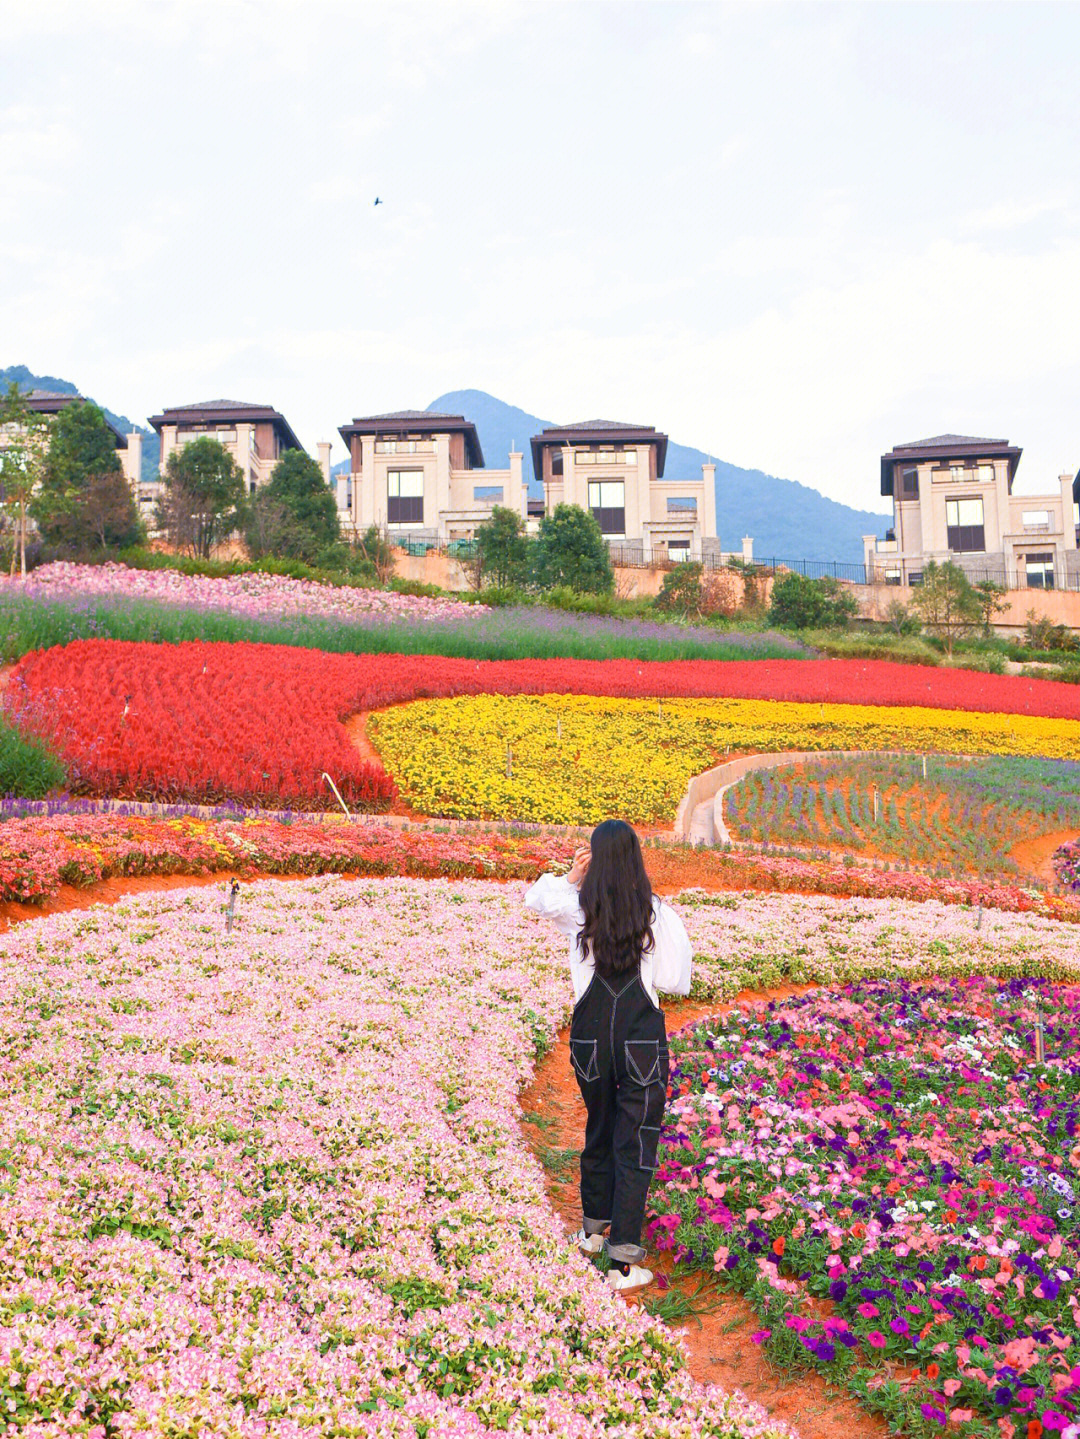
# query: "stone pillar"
[131,460]
[747,550]
[708,502]
[515,496]
[324,460]
[1068,511]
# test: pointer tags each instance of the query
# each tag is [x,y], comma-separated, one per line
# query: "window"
[488,494]
[957,474]
[408,445]
[964,522]
[681,505]
[556,462]
[986,472]
[909,485]
[605,455]
[405,497]
[607,501]
[678,551]
[1040,572]
[914,577]
[892,575]
[1036,519]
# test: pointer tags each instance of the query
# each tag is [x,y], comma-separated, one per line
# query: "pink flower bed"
[256,595]
[272,1184]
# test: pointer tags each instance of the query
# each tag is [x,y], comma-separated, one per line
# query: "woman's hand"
[576,873]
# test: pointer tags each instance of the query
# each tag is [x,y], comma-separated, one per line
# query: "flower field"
[575,759]
[272,1183]
[254,595]
[38,854]
[964,816]
[894,1179]
[1067,864]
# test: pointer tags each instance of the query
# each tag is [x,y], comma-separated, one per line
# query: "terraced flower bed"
[893,1176]
[575,759]
[963,816]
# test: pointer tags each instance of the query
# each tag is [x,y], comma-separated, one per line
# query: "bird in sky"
[377,200]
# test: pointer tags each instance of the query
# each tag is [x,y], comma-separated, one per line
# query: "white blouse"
[664,967]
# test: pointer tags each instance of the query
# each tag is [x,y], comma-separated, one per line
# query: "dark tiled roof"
[51,402]
[945,447]
[588,433]
[418,422]
[937,442]
[218,410]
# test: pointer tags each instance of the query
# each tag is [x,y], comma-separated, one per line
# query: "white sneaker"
[588,1243]
[636,1279]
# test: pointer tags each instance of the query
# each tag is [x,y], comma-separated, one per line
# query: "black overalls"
[618,1047]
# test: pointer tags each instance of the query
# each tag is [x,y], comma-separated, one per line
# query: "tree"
[376,554]
[800,603]
[947,603]
[84,497]
[900,619]
[24,444]
[295,515]
[502,551]
[571,551]
[681,590]
[203,500]
[992,602]
[106,514]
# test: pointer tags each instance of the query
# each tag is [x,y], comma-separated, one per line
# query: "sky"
[793,235]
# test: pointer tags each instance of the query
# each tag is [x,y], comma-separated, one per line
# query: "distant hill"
[26,380]
[788,521]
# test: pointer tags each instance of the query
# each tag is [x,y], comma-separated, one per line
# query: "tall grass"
[27,767]
[28,623]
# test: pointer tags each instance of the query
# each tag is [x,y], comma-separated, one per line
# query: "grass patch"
[28,768]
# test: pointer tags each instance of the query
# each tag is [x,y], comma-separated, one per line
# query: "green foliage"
[295,515]
[571,551]
[799,603]
[28,768]
[992,602]
[947,603]
[1040,633]
[502,553]
[901,620]
[84,501]
[681,591]
[878,644]
[204,499]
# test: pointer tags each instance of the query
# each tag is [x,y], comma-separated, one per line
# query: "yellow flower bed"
[577,759]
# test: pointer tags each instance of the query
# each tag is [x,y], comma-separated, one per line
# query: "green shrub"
[799,603]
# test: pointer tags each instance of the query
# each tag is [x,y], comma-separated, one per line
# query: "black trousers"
[618,1047]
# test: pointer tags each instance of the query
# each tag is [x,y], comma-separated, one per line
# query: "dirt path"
[719,1350]
[1034,856]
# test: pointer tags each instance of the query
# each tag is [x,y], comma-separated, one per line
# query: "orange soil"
[1034,856]
[719,1350]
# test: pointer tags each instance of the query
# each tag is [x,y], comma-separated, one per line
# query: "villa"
[616,472]
[255,435]
[421,476]
[953,500]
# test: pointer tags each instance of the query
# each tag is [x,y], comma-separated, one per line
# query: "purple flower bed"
[1067,865]
[894,1178]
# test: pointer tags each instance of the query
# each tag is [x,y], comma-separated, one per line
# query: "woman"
[625,945]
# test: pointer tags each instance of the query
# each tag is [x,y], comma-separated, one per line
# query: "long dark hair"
[617,901]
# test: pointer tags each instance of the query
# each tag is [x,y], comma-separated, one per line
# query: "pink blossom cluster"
[271,1182]
[259,596]
[754,941]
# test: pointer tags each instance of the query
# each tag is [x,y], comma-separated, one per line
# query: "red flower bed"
[259,723]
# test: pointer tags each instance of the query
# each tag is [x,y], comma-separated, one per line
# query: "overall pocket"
[643,1060]
[583,1058]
